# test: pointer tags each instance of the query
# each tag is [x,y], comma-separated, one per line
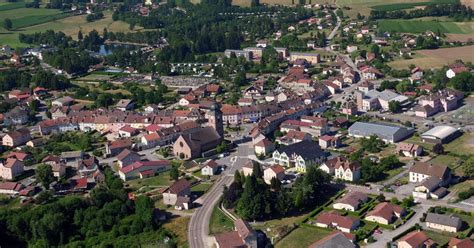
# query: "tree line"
[14,79]
[457,11]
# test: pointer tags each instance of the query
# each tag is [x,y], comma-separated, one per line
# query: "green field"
[220,222]
[8,6]
[418,26]
[303,236]
[25,17]
[402,6]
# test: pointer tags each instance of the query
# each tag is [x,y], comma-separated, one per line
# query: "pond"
[109,49]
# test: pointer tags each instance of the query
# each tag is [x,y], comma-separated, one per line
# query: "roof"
[125,153]
[334,217]
[383,131]
[386,95]
[151,137]
[10,162]
[72,154]
[439,171]
[139,164]
[211,163]
[230,240]
[18,155]
[353,198]
[408,147]
[445,220]
[439,132]
[307,149]
[460,243]
[431,183]
[11,186]
[386,210]
[264,143]
[277,169]
[415,238]
[179,186]
[243,228]
[335,239]
[128,129]
[201,137]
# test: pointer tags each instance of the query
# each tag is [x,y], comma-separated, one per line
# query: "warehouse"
[440,134]
[385,132]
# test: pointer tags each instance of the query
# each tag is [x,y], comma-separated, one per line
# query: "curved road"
[198,229]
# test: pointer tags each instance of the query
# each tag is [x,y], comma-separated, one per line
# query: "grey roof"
[386,95]
[383,131]
[439,132]
[440,192]
[307,149]
[446,220]
[431,183]
[334,240]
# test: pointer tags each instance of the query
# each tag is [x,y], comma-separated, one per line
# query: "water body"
[105,50]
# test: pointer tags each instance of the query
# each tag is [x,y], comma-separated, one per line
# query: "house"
[329,166]
[312,58]
[176,193]
[193,144]
[117,146]
[385,213]
[409,150]
[293,136]
[421,171]
[300,155]
[11,168]
[365,86]
[385,132]
[334,220]
[35,142]
[20,95]
[336,239]
[247,169]
[424,111]
[63,101]
[349,108]
[88,166]
[439,101]
[127,157]
[264,147]
[370,73]
[16,116]
[125,104]
[16,137]
[151,140]
[22,156]
[242,236]
[430,188]
[72,158]
[416,239]
[351,49]
[143,169]
[444,223]
[275,171]
[238,53]
[351,201]
[440,134]
[455,69]
[210,168]
[10,188]
[460,243]
[128,131]
[346,170]
[327,141]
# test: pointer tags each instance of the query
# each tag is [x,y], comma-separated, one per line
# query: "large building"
[445,223]
[385,132]
[192,145]
[421,171]
[299,155]
[374,100]
[440,134]
[312,58]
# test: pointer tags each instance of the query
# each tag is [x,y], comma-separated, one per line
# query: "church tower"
[214,119]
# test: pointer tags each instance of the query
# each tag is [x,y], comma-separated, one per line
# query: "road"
[198,229]
[336,28]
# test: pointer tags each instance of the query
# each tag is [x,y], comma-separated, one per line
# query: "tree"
[222,147]
[257,170]
[468,167]
[238,178]
[438,149]
[408,202]
[275,184]
[80,36]
[7,24]
[394,106]
[44,173]
[144,209]
[381,197]
[463,81]
[174,173]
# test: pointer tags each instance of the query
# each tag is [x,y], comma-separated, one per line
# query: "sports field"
[436,58]
[419,26]
[69,25]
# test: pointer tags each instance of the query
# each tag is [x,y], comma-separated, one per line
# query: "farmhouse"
[351,201]
[16,137]
[409,150]
[430,188]
[177,194]
[210,168]
[385,213]
[455,69]
[445,223]
[335,220]
[11,168]
[127,157]
[421,171]
[416,239]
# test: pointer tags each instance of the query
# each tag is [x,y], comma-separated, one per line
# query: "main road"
[198,229]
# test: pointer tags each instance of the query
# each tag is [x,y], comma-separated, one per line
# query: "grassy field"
[440,239]
[460,187]
[69,25]
[401,6]
[162,179]
[8,6]
[219,222]
[419,26]
[179,227]
[447,160]
[303,236]
[24,17]
[463,145]
[436,58]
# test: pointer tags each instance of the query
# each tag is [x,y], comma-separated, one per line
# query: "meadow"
[402,6]
[420,26]
[436,58]
[9,6]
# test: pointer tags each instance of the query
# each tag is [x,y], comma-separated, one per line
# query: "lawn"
[303,236]
[440,239]
[179,227]
[200,188]
[455,189]
[419,26]
[447,160]
[463,145]
[436,58]
[69,25]
[220,222]
[162,179]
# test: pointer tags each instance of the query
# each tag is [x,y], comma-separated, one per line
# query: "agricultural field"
[9,6]
[420,26]
[410,5]
[436,58]
[69,25]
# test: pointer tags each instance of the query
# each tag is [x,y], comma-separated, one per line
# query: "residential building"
[16,137]
[178,194]
[385,132]
[238,53]
[210,168]
[72,158]
[374,100]
[336,239]
[441,101]
[346,170]
[460,243]
[264,147]
[10,188]
[430,188]
[242,236]
[328,141]
[128,131]
[312,58]
[351,201]
[385,213]
[63,101]
[293,136]
[300,155]
[117,146]
[16,116]
[143,169]
[127,157]
[11,168]
[442,222]
[125,104]
[275,171]
[334,220]
[409,150]
[455,69]
[247,169]
[422,170]
[416,239]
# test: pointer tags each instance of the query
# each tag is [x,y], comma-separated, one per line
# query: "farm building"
[440,134]
[387,133]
